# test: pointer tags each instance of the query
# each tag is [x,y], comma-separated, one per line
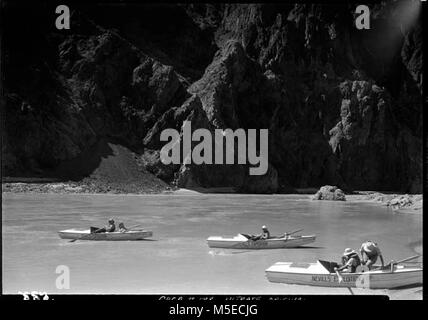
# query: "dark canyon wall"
[342,105]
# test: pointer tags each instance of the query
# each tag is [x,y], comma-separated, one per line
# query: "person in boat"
[264,235]
[369,253]
[111,227]
[350,261]
[122,227]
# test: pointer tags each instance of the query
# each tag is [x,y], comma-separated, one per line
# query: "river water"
[177,259]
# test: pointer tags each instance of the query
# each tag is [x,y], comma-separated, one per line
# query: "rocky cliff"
[342,105]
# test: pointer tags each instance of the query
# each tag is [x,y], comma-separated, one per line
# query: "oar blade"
[339,276]
[408,259]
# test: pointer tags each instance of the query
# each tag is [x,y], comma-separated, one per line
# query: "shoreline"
[398,202]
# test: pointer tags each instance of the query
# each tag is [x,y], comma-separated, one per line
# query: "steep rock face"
[235,93]
[267,183]
[120,89]
[342,105]
[312,54]
[96,85]
[365,140]
[412,52]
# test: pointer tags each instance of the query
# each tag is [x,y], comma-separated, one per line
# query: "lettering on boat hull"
[357,280]
[256,244]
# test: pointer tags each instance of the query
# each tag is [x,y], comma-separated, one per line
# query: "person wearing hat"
[369,253]
[264,235]
[350,261]
[111,227]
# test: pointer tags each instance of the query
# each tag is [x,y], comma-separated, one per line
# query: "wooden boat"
[243,242]
[106,236]
[322,274]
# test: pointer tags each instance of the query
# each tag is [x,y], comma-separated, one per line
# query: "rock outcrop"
[343,106]
[329,193]
[405,201]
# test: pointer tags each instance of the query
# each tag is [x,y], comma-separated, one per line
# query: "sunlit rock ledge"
[329,193]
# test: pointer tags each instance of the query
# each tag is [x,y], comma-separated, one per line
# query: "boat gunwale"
[403,269]
[87,231]
[375,272]
[221,239]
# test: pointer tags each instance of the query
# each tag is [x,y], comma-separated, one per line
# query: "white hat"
[369,246]
[264,227]
[348,251]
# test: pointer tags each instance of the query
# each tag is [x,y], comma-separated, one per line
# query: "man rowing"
[265,233]
[111,227]
[350,261]
[263,236]
[369,253]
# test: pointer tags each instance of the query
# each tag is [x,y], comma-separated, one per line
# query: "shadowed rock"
[343,107]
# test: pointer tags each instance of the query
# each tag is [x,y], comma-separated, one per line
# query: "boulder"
[400,202]
[329,193]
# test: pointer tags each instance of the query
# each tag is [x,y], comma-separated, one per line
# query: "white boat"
[242,242]
[106,236]
[322,274]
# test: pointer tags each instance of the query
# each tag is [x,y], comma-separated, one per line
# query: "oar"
[350,290]
[402,260]
[292,232]
[130,228]
[339,276]
[407,259]
[397,262]
[90,233]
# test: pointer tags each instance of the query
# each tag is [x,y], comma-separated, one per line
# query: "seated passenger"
[350,261]
[122,227]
